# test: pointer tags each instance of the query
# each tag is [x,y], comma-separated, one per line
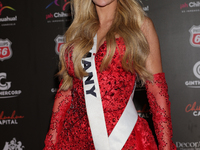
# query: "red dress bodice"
[116,86]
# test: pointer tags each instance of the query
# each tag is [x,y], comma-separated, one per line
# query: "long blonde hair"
[129,17]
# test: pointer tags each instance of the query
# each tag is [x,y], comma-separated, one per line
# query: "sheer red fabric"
[61,105]
[69,127]
[157,93]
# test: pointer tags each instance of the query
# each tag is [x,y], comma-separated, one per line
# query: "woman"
[124,43]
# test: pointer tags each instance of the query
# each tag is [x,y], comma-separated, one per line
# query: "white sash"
[95,113]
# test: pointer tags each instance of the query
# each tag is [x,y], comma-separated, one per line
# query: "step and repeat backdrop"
[31,35]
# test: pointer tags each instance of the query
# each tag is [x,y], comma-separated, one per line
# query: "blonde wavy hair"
[127,23]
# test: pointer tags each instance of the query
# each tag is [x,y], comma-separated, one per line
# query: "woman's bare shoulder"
[153,62]
[147,26]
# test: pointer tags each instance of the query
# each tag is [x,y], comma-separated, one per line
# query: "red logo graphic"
[59,40]
[64,6]
[55,2]
[9,120]
[145,109]
[5,49]
[193,108]
[144,113]
[5,7]
[185,5]
[13,116]
[195,36]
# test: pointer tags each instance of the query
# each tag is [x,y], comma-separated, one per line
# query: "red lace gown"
[69,128]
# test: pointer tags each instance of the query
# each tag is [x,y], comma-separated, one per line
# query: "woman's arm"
[157,91]
[153,63]
[61,104]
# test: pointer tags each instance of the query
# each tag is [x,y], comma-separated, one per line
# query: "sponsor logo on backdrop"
[144,110]
[5,7]
[189,7]
[5,49]
[144,113]
[146,8]
[57,12]
[54,90]
[55,2]
[194,108]
[196,69]
[5,19]
[188,145]
[196,72]
[5,86]
[10,119]
[195,36]
[59,40]
[13,145]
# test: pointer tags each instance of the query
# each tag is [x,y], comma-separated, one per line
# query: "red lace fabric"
[158,97]
[61,104]
[70,130]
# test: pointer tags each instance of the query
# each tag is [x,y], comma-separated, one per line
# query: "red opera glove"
[61,105]
[157,93]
